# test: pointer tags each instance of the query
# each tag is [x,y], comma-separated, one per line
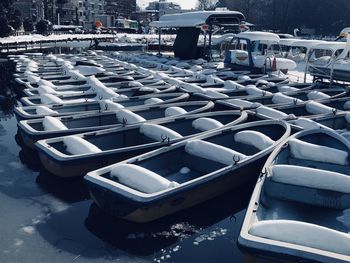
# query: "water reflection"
[148,239]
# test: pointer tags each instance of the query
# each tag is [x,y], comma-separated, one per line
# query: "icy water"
[45,219]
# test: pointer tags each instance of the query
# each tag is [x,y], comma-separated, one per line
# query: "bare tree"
[206,4]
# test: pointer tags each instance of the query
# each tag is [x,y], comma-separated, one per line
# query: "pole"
[159,40]
[209,44]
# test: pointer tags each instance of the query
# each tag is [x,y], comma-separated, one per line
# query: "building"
[87,10]
[164,7]
[69,13]
[145,16]
[33,9]
[120,8]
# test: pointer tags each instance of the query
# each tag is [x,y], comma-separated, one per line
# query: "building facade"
[164,7]
[120,8]
[33,9]
[87,10]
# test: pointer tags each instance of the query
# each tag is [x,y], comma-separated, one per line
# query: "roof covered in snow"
[198,18]
[259,36]
[307,43]
[331,45]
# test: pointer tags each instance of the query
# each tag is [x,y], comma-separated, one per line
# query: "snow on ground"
[298,74]
[77,37]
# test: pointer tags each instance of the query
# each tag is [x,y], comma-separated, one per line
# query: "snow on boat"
[282,98]
[76,155]
[307,109]
[255,58]
[57,110]
[330,61]
[96,95]
[236,90]
[164,181]
[299,209]
[339,122]
[49,127]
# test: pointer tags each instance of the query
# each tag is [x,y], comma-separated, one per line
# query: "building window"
[92,6]
[80,4]
[80,13]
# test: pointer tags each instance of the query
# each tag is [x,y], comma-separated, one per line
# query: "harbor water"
[46,219]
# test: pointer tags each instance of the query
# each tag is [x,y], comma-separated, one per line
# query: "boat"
[94,95]
[300,205]
[48,127]
[72,156]
[292,97]
[338,122]
[234,90]
[189,26]
[184,174]
[57,110]
[255,56]
[307,109]
[332,65]
[301,48]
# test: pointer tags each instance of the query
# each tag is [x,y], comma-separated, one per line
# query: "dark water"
[45,219]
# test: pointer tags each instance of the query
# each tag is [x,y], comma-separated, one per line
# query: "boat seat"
[110,105]
[140,179]
[45,82]
[243,103]
[33,79]
[303,234]
[213,152]
[314,107]
[77,145]
[43,110]
[254,138]
[308,124]
[53,124]
[174,111]
[287,89]
[317,153]
[158,132]
[317,95]
[254,91]
[309,186]
[48,98]
[232,85]
[152,101]
[280,98]
[206,124]
[215,94]
[189,87]
[128,116]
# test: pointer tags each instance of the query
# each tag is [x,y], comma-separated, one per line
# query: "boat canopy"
[334,46]
[289,41]
[259,36]
[195,19]
[307,43]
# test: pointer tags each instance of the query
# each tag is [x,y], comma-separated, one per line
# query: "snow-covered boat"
[94,93]
[299,210]
[255,56]
[307,109]
[330,61]
[49,127]
[292,96]
[164,181]
[57,110]
[76,155]
[339,122]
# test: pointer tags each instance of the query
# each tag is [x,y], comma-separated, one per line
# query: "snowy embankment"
[72,37]
[52,38]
